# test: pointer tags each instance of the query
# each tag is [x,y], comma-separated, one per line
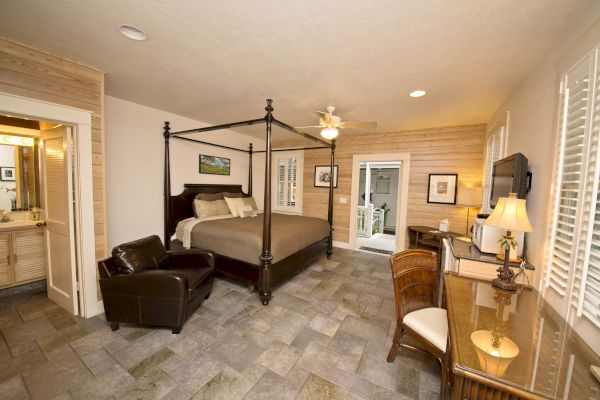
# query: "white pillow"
[233,204]
[246,211]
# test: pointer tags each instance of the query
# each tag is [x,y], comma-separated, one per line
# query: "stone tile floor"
[325,335]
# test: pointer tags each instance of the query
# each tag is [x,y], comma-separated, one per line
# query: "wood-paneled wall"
[457,149]
[28,72]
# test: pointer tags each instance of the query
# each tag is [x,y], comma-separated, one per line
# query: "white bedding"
[183,231]
[184,227]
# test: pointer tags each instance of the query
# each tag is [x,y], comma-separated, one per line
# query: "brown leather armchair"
[144,284]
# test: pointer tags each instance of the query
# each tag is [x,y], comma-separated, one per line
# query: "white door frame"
[81,120]
[402,194]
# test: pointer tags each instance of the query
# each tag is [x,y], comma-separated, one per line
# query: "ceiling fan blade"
[325,116]
[358,125]
[310,126]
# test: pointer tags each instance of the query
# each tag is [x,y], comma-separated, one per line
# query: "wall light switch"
[343,200]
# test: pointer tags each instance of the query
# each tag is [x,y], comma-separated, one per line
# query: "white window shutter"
[574,129]
[587,269]
[280,193]
[494,152]
[288,181]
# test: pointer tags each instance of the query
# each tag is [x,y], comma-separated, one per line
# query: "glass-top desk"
[506,343]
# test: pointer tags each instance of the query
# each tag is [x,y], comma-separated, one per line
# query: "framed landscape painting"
[215,165]
[442,188]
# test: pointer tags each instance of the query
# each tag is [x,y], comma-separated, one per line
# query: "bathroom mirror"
[19,173]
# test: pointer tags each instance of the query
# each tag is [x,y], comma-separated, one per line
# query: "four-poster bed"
[264,271]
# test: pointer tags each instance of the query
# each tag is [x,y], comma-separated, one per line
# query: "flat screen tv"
[510,176]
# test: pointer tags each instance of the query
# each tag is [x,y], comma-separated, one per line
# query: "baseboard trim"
[341,245]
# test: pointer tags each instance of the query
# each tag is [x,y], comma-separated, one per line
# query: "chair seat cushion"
[197,278]
[431,323]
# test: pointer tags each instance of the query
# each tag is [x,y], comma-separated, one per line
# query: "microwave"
[487,237]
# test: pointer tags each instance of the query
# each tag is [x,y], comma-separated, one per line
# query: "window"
[574,256]
[494,151]
[287,181]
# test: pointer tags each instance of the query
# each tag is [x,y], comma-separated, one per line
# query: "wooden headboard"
[181,206]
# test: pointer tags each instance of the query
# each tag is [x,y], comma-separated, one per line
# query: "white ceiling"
[216,61]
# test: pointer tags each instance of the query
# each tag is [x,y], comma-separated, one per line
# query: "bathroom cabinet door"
[29,255]
[6,276]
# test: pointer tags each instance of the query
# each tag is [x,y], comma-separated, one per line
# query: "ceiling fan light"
[329,133]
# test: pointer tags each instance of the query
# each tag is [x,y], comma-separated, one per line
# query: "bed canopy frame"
[265,257]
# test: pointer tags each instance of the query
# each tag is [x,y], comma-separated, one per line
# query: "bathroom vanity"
[22,253]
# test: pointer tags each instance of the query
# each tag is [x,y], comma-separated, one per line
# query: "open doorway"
[379,202]
[37,206]
[49,234]
[378,205]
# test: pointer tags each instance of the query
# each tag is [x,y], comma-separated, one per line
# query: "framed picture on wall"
[442,188]
[214,165]
[7,174]
[323,175]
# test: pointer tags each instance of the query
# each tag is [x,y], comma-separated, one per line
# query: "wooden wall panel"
[457,149]
[32,73]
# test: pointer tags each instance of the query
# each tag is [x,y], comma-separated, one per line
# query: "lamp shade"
[469,196]
[495,353]
[510,214]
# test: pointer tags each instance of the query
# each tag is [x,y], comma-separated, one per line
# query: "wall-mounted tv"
[510,176]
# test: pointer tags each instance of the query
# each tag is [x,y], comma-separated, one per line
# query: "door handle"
[40,224]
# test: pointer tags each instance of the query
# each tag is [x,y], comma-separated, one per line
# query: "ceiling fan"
[330,124]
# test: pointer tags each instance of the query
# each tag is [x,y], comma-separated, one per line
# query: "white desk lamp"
[510,214]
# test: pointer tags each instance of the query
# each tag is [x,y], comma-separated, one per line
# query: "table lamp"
[469,197]
[510,214]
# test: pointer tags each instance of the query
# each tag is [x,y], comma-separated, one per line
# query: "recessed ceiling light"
[417,93]
[131,32]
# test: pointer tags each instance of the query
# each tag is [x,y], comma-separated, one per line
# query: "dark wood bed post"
[266,257]
[330,209]
[250,151]
[166,130]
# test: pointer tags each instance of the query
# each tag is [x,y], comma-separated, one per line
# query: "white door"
[58,208]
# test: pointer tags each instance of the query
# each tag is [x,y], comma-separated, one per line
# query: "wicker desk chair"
[414,274]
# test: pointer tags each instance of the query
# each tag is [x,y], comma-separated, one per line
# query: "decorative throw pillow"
[233,203]
[246,211]
[249,201]
[210,208]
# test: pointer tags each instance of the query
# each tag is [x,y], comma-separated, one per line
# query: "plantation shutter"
[292,182]
[587,269]
[281,187]
[288,182]
[494,152]
[569,191]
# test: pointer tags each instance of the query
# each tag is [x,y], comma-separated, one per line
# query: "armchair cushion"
[430,323]
[140,255]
